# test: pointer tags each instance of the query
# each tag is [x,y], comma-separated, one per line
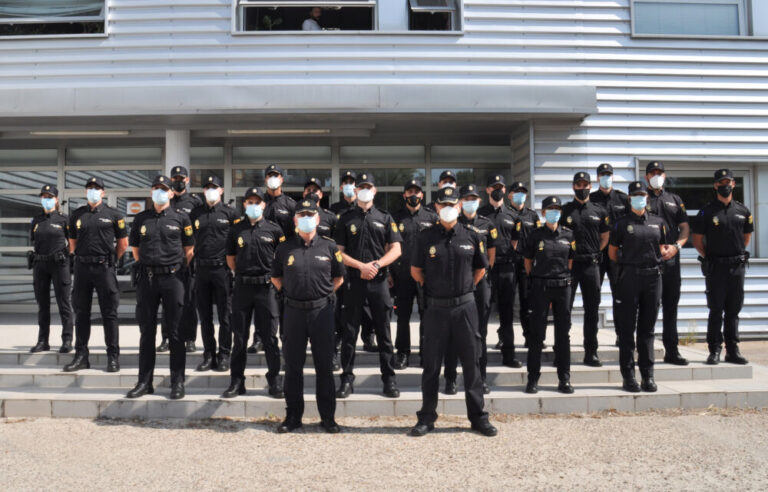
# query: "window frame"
[453,10]
[744,21]
[60,20]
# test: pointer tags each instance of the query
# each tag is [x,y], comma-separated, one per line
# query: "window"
[51,17]
[432,15]
[689,17]
[296,15]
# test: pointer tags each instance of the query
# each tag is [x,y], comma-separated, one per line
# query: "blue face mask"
[606,181]
[348,190]
[48,203]
[518,198]
[307,224]
[552,216]
[253,211]
[471,206]
[160,196]
[638,201]
[93,195]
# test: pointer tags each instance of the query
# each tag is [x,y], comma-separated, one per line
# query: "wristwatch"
[376,264]
[676,245]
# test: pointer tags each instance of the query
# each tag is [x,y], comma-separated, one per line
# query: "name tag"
[378,224]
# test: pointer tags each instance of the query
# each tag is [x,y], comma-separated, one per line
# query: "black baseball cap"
[447,195]
[179,171]
[306,205]
[653,165]
[551,201]
[636,187]
[414,183]
[161,180]
[212,180]
[348,175]
[365,178]
[273,168]
[495,179]
[518,185]
[447,174]
[723,174]
[49,189]
[93,180]
[253,192]
[582,176]
[468,190]
[604,168]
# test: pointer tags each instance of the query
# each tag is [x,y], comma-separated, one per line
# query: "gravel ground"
[675,450]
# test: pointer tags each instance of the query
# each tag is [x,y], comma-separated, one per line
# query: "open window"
[51,17]
[296,15]
[433,15]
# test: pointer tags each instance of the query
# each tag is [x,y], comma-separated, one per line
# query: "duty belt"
[209,263]
[728,260]
[160,270]
[587,258]
[92,259]
[643,270]
[553,282]
[252,279]
[314,304]
[450,301]
[58,256]
[503,260]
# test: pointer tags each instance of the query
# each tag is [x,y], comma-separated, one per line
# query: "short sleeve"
[749,226]
[480,259]
[188,235]
[418,259]
[514,234]
[681,216]
[66,227]
[699,223]
[73,227]
[277,264]
[121,229]
[493,235]
[393,235]
[616,236]
[340,234]
[528,249]
[133,239]
[605,222]
[231,245]
[32,232]
[337,264]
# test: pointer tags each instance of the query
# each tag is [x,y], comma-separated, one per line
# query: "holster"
[30,259]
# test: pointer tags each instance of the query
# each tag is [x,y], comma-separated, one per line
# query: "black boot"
[673,357]
[733,355]
[255,346]
[592,360]
[648,385]
[290,424]
[565,387]
[630,385]
[714,356]
[112,363]
[189,346]
[208,362]
[390,390]
[369,345]
[276,389]
[236,388]
[163,347]
[335,365]
[345,389]
[222,364]
[79,362]
[509,360]
[177,391]
[141,389]
[450,387]
[401,361]
[66,347]
[40,346]
[533,384]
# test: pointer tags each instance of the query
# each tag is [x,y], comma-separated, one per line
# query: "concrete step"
[365,377]
[200,404]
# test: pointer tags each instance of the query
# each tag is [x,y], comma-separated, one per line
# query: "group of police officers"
[302,273]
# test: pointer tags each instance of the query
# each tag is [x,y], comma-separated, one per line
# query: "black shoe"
[592,360]
[714,357]
[288,425]
[485,428]
[112,364]
[370,346]
[486,388]
[390,390]
[223,364]
[532,387]
[177,391]
[421,429]
[66,347]
[500,344]
[140,389]
[330,426]
[335,365]
[733,355]
[276,390]
[676,359]
[565,387]
[40,347]
[401,361]
[189,346]
[79,362]
[649,385]
[510,361]
[207,364]
[236,388]
[255,347]
[450,387]
[630,384]
[163,347]
[345,389]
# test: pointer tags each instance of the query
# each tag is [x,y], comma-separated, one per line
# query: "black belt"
[450,301]
[160,270]
[209,263]
[503,260]
[58,256]
[553,282]
[92,259]
[643,270]
[587,258]
[728,260]
[314,304]
[253,280]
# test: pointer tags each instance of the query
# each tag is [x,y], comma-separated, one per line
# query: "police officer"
[161,240]
[49,260]
[251,247]
[280,207]
[348,194]
[211,223]
[549,253]
[503,273]
[448,261]
[369,241]
[590,225]
[721,234]
[470,203]
[526,221]
[638,244]
[97,236]
[411,219]
[313,190]
[671,209]
[447,179]
[308,268]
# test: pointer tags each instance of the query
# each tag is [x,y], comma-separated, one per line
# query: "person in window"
[312,24]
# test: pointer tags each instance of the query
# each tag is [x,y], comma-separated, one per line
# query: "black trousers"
[212,285]
[260,302]
[101,278]
[43,274]
[376,293]
[725,297]
[587,275]
[505,281]
[560,297]
[483,305]
[607,267]
[167,289]
[455,329]
[406,291]
[636,309]
[670,298]
[188,323]
[315,325]
[366,323]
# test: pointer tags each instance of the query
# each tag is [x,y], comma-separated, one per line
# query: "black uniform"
[341,206]
[49,236]
[638,288]
[307,273]
[280,210]
[364,236]
[550,283]
[488,235]
[616,205]
[212,282]
[503,275]
[670,208]
[161,238]
[95,230]
[723,227]
[188,325]
[587,221]
[526,221]
[328,221]
[448,259]
[254,246]
[406,289]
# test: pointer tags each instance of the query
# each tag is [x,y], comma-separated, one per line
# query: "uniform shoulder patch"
[495,233]
[282,239]
[394,227]
[517,226]
[482,247]
[749,219]
[573,245]
[237,220]
[188,230]
[121,224]
[338,257]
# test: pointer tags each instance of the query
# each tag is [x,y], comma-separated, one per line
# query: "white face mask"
[657,182]
[93,195]
[365,195]
[448,184]
[212,195]
[160,196]
[449,214]
[273,182]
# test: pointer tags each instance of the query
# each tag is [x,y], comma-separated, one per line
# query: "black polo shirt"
[254,246]
[186,203]
[587,221]
[49,233]
[96,230]
[161,237]
[327,225]
[341,206]
[506,228]
[307,272]
[365,235]
[638,238]
[615,203]
[484,227]
[723,227]
[281,210]
[550,251]
[449,258]
[211,226]
[526,221]
[410,225]
[671,209]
